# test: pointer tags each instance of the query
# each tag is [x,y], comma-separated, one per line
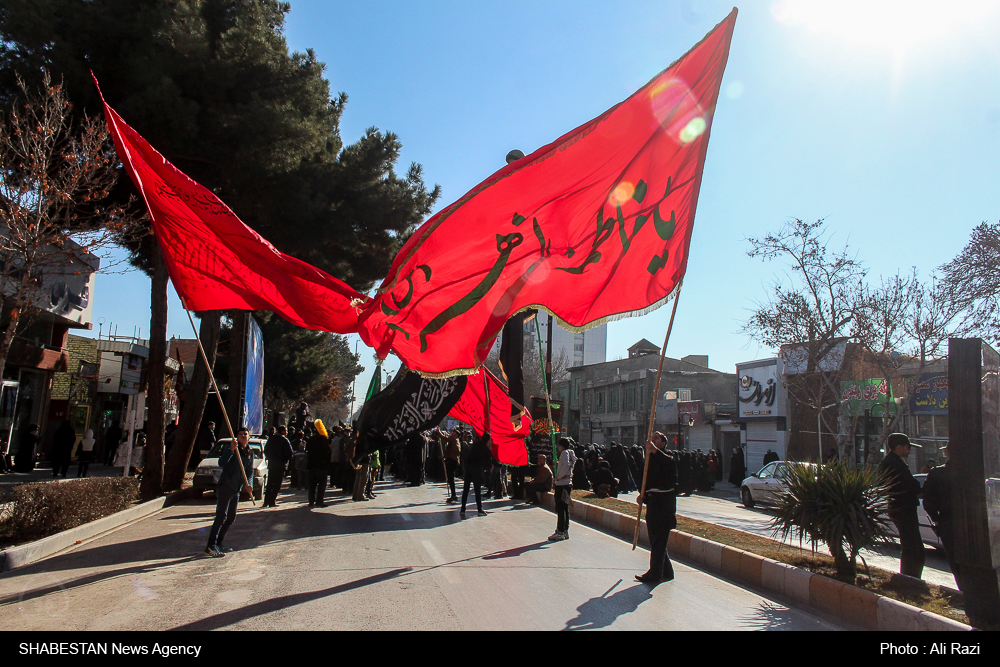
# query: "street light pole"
[354,384]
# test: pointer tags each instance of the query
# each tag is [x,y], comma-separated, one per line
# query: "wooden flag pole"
[225,415]
[652,415]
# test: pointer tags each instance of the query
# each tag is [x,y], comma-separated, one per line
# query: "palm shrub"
[838,504]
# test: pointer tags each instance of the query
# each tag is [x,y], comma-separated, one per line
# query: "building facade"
[612,401]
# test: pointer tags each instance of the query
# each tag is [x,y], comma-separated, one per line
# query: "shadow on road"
[516,551]
[276,604]
[600,612]
[24,596]
[769,616]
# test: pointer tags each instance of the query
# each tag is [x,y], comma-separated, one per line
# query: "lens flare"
[694,129]
[677,110]
[621,193]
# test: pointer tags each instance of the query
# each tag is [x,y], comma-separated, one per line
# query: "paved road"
[405,560]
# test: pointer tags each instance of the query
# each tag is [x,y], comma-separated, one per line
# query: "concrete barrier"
[854,605]
[25,554]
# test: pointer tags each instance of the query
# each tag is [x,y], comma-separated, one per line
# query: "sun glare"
[899,25]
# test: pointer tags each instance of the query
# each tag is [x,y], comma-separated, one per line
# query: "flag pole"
[211,375]
[652,415]
[548,400]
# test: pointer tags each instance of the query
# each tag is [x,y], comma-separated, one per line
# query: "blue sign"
[929,396]
[253,402]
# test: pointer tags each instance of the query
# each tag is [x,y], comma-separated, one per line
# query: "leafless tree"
[809,313]
[55,178]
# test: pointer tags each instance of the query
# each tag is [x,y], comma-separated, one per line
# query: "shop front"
[761,411]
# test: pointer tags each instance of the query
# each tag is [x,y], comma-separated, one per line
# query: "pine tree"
[212,85]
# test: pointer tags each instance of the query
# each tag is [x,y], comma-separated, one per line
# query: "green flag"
[376,383]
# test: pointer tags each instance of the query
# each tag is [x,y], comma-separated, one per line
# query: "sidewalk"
[43,473]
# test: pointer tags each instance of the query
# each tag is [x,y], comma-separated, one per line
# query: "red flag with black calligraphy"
[485,406]
[595,225]
[214,260]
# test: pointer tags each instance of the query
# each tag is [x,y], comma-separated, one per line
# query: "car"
[765,485]
[927,534]
[206,477]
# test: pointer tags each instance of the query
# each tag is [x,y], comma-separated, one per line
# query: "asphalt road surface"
[403,561]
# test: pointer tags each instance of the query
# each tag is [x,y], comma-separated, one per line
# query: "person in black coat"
[62,448]
[737,468]
[619,461]
[903,490]
[937,504]
[474,459]
[661,509]
[27,449]
[318,451]
[278,452]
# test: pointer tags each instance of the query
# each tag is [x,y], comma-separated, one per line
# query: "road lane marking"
[438,560]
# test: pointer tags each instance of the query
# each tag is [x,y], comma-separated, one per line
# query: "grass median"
[938,600]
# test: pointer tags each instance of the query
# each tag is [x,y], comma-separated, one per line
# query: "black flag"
[409,405]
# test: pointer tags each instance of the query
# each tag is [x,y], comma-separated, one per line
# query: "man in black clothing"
[661,509]
[203,445]
[278,452]
[903,503]
[318,462]
[770,456]
[112,438]
[937,503]
[227,491]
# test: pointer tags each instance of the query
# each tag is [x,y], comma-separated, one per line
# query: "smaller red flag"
[214,260]
[492,414]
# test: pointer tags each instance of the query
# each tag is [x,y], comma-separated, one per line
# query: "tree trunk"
[194,406]
[152,473]
[237,357]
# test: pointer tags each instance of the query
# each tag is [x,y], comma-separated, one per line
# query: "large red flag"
[217,262]
[592,226]
[489,412]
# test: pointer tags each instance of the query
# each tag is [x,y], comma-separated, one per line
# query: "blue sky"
[882,117]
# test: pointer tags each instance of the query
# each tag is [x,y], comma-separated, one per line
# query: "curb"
[32,552]
[849,603]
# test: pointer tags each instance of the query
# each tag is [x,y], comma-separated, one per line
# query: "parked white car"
[206,477]
[764,486]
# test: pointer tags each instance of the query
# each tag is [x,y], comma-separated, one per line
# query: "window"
[628,396]
[602,403]
[88,369]
[941,426]
[588,401]
[925,426]
[767,471]
[613,401]
[578,347]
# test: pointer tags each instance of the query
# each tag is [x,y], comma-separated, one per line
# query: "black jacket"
[903,488]
[937,495]
[318,451]
[277,451]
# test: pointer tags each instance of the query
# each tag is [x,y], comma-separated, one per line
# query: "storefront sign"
[873,395]
[929,395]
[760,391]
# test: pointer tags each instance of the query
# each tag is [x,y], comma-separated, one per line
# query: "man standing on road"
[452,455]
[903,503]
[937,503]
[563,489]
[661,509]
[318,451]
[227,492]
[278,452]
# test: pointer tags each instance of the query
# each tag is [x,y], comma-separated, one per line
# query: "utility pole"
[354,384]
